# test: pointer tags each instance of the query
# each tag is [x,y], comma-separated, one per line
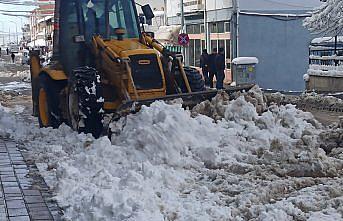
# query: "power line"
[10,11]
[15,15]
[288,4]
[22,3]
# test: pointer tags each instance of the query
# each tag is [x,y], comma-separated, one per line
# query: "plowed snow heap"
[233,158]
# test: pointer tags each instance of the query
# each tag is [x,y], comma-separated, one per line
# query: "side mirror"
[147,11]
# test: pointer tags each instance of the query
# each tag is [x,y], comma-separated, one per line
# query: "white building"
[219,14]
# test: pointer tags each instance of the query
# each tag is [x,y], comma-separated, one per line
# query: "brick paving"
[24,196]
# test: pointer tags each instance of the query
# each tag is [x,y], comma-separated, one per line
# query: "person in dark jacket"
[204,60]
[220,67]
[212,66]
[7,51]
[13,57]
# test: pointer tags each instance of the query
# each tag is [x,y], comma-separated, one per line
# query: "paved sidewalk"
[24,195]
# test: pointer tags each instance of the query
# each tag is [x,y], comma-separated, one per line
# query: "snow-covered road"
[243,161]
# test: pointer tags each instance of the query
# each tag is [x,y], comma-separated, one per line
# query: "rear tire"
[49,113]
[194,79]
[85,102]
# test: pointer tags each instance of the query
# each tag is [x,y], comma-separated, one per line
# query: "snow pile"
[245,60]
[325,70]
[245,162]
[332,140]
[20,74]
[307,100]
[15,86]
[323,40]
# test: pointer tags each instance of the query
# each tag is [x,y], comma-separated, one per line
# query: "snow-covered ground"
[15,86]
[224,160]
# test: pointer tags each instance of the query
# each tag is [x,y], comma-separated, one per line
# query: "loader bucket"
[189,100]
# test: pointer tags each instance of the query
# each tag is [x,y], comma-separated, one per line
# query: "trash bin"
[244,70]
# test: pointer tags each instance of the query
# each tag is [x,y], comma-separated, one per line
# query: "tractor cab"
[114,21]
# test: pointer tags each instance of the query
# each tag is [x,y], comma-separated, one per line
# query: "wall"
[218,10]
[281,47]
[218,4]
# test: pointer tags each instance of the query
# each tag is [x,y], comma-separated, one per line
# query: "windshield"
[104,16]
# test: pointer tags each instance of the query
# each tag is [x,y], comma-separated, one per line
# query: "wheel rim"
[43,108]
[73,108]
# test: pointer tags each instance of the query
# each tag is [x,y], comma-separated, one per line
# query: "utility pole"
[16,33]
[165,13]
[207,33]
[236,7]
[183,28]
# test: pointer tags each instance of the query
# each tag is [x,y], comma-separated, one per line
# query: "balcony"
[193,5]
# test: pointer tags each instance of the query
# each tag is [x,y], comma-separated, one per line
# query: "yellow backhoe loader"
[103,62]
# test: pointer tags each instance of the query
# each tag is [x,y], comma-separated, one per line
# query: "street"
[24,193]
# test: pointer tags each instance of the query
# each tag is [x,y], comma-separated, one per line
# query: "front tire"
[49,113]
[85,102]
[195,80]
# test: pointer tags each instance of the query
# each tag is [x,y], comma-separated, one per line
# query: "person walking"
[220,67]
[212,66]
[13,57]
[7,51]
[204,61]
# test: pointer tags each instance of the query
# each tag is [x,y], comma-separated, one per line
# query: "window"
[217,27]
[189,29]
[228,53]
[213,28]
[191,53]
[214,44]
[221,44]
[228,49]
[220,27]
[227,27]
[202,28]
[193,29]
[104,16]
[197,49]
[196,29]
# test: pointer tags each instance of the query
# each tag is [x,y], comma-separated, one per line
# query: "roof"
[278,5]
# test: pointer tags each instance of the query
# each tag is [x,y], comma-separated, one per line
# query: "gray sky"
[10,22]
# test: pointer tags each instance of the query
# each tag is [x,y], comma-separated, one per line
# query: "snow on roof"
[277,5]
[245,60]
[327,40]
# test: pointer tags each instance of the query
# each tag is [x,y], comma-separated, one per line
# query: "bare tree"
[327,19]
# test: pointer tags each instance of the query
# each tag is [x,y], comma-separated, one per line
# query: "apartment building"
[219,14]
[42,25]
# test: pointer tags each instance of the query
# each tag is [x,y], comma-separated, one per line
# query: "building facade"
[218,13]
[42,25]
[272,31]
